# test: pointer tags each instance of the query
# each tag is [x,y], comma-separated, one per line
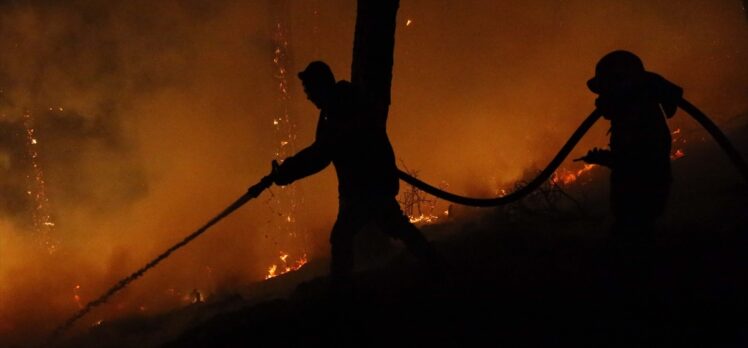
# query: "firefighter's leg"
[341,244]
[393,222]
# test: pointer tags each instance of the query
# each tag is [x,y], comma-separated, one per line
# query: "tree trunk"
[373,55]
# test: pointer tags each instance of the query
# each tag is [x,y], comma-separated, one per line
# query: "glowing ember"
[77,297]
[677,138]
[677,154]
[42,220]
[284,204]
[408,22]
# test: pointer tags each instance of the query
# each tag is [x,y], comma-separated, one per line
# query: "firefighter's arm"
[599,157]
[306,162]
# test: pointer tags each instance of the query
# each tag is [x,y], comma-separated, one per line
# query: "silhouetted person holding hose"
[637,103]
[364,161]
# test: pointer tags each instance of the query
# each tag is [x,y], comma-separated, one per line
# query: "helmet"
[615,68]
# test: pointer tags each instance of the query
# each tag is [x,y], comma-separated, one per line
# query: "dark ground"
[526,275]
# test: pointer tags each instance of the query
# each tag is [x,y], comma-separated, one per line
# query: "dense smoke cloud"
[148,117]
[167,112]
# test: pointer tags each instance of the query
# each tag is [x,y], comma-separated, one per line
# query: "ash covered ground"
[529,274]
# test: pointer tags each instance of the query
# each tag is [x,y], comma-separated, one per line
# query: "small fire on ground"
[285,265]
[566,176]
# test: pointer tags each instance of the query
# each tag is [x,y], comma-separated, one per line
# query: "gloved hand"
[278,179]
[597,156]
[274,169]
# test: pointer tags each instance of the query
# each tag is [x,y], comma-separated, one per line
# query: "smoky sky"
[168,107]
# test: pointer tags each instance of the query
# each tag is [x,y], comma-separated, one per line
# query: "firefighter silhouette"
[637,104]
[364,162]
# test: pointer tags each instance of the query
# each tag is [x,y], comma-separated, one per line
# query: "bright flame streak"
[408,22]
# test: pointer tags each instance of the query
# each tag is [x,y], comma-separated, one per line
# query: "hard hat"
[614,68]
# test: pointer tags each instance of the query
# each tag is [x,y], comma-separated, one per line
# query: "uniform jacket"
[356,145]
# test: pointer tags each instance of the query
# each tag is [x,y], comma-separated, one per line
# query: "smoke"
[167,112]
[500,85]
[149,118]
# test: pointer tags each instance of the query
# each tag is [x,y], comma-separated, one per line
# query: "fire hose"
[267,181]
[252,193]
[689,108]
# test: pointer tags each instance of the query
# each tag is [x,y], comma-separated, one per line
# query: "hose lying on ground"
[695,113]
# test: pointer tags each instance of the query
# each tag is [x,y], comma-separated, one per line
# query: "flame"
[425,218]
[271,272]
[285,267]
[418,207]
[566,177]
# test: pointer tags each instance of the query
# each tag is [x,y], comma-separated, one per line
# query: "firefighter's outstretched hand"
[597,156]
[279,175]
[274,169]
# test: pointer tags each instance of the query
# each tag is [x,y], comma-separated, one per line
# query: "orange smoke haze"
[168,111]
